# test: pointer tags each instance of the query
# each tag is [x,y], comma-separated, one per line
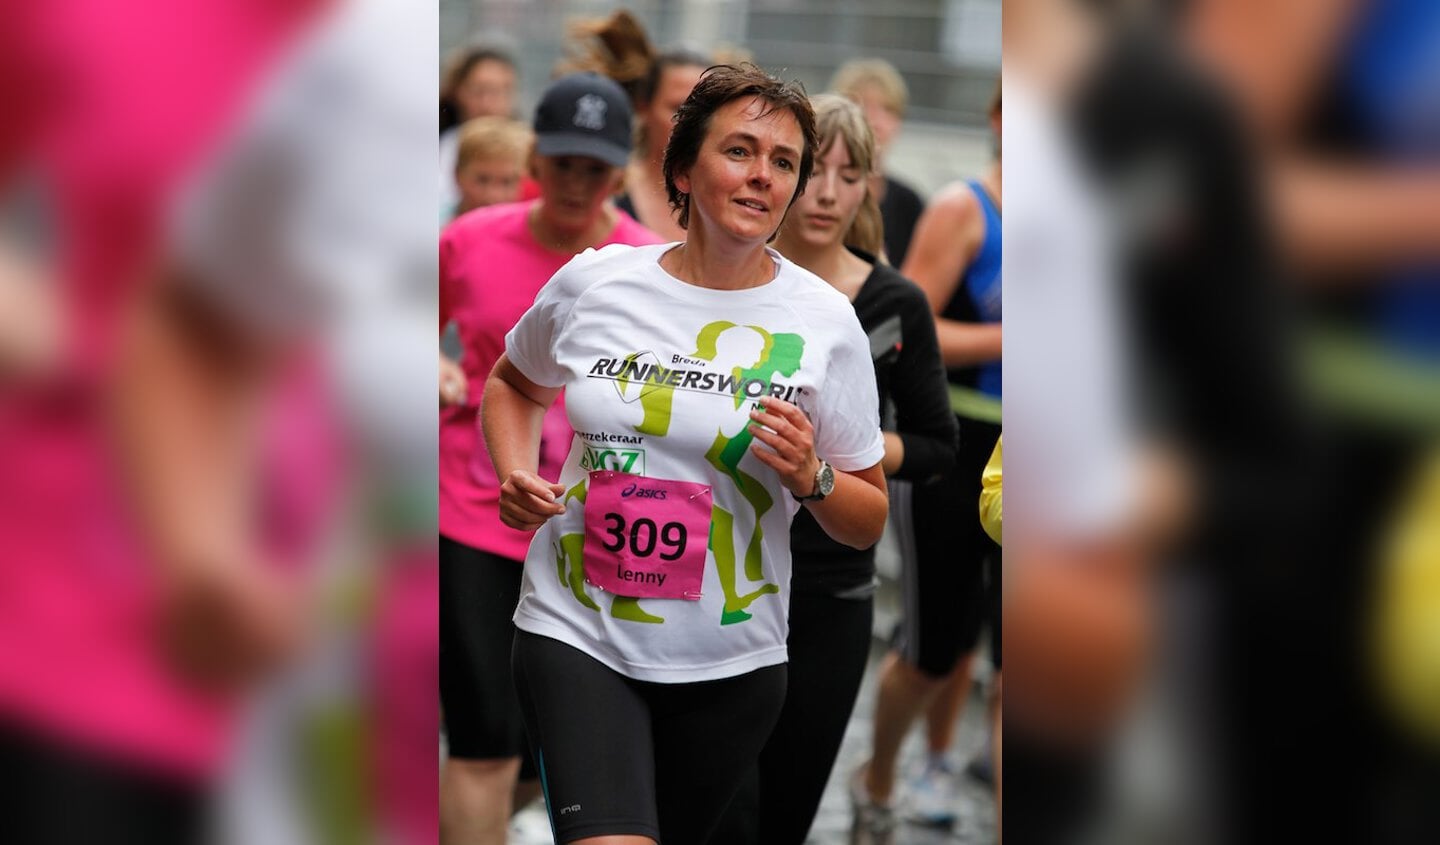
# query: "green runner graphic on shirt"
[780,354]
[657,400]
[570,554]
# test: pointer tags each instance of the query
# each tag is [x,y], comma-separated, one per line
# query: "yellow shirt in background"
[990,509]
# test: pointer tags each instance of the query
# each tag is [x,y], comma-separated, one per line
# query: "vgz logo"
[621,460]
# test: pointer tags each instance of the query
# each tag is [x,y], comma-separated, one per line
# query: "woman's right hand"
[527,501]
[452,382]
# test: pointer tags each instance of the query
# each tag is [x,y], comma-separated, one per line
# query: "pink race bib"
[646,537]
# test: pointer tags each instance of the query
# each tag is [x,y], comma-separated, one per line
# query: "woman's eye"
[785,164]
[736,151]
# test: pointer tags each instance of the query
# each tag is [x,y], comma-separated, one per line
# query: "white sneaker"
[933,796]
[873,824]
[531,826]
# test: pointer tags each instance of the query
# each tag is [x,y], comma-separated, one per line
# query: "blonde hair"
[485,138]
[839,120]
[856,75]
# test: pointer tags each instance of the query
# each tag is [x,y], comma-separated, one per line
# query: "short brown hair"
[719,85]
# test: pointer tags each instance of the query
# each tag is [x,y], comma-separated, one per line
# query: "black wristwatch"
[824,484]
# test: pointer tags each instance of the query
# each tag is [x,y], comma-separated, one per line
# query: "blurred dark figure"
[1244,148]
[1204,303]
[1339,99]
[1209,385]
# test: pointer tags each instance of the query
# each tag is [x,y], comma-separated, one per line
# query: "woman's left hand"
[785,441]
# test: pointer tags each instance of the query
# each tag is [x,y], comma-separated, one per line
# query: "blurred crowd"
[1215,586]
[221,601]
[940,311]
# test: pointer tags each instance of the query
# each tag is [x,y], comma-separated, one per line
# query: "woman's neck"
[652,166]
[566,240]
[708,264]
[645,182]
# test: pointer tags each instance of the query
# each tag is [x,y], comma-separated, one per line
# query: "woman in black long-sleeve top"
[834,231]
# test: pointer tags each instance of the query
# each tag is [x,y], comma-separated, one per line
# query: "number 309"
[643,535]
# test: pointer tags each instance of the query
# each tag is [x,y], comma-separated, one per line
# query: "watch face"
[825,481]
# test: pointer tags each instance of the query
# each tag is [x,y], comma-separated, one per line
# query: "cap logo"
[590,112]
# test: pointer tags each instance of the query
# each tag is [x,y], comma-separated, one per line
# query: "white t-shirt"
[1069,445]
[673,414]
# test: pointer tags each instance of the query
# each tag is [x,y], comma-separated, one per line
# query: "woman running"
[715,389]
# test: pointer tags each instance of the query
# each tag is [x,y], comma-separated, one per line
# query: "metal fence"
[947,50]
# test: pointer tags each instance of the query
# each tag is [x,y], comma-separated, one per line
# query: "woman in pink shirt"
[492,262]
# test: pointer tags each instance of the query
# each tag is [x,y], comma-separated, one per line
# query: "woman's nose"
[760,172]
[824,189]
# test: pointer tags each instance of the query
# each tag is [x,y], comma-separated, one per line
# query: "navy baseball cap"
[584,114]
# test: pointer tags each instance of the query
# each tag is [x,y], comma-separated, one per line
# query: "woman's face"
[884,120]
[657,118]
[832,198]
[746,171]
[574,189]
[485,182]
[487,90]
